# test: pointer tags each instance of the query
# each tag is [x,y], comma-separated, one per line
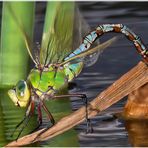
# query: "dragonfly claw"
[89,127]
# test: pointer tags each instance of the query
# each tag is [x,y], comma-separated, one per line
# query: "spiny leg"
[25,124]
[48,113]
[39,118]
[82,96]
[85,100]
[25,117]
[28,114]
[50,118]
[18,125]
[89,126]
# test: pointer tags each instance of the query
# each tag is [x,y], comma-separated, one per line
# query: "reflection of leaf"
[13,63]
[2,123]
[10,116]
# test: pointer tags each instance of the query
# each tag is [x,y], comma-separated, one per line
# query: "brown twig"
[130,81]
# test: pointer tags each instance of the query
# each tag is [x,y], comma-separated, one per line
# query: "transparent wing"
[91,59]
[28,41]
[58,29]
[81,56]
[81,29]
[63,32]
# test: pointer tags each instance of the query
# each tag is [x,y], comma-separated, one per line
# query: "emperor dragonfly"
[47,78]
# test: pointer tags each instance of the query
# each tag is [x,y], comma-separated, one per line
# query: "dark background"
[112,63]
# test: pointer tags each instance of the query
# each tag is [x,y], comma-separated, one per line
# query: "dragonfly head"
[20,94]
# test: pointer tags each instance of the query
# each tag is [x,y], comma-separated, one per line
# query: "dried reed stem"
[129,82]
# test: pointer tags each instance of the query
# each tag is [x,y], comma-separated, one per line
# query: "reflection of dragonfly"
[54,70]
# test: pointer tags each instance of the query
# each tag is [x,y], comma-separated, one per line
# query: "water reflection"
[137,132]
[10,116]
[2,128]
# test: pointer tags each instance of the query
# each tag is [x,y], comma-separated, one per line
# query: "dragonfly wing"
[91,59]
[63,32]
[28,42]
[57,33]
[80,30]
[80,56]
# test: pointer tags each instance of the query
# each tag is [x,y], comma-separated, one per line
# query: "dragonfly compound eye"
[21,94]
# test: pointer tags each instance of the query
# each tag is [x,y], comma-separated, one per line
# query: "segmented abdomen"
[73,70]
[119,28]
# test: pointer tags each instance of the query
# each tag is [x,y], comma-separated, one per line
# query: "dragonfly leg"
[39,118]
[50,118]
[18,126]
[24,125]
[25,120]
[48,113]
[89,125]
[85,100]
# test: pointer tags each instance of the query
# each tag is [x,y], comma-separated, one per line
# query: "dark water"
[114,62]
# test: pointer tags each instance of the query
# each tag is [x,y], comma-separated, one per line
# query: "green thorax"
[55,78]
[48,78]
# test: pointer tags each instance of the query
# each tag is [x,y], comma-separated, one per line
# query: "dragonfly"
[49,76]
